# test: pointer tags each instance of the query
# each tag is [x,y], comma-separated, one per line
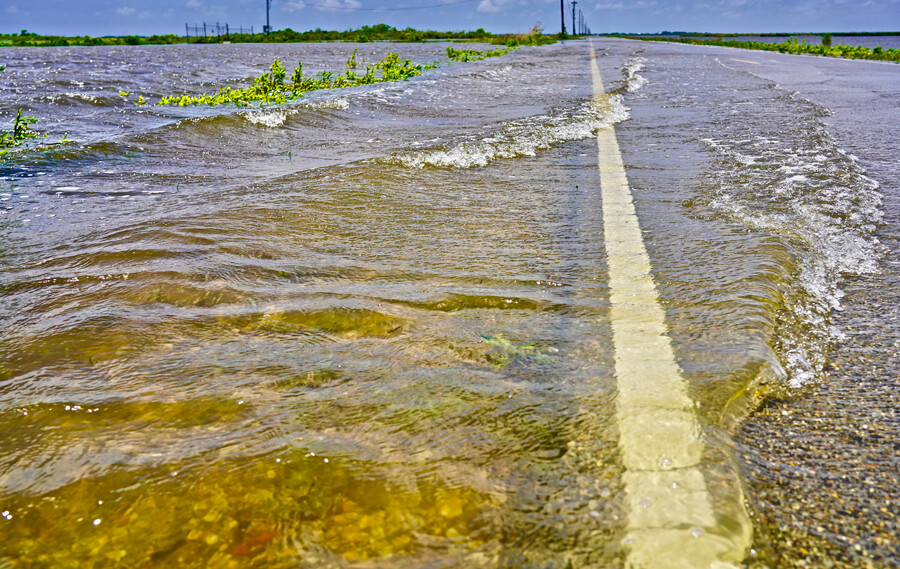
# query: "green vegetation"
[20,132]
[506,352]
[273,87]
[28,39]
[473,54]
[794,46]
[378,32]
[533,38]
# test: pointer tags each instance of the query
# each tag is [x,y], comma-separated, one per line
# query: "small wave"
[74,98]
[85,97]
[277,117]
[524,137]
[338,104]
[499,72]
[633,80]
[267,118]
[813,195]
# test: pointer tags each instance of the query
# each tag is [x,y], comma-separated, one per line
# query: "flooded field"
[374,327]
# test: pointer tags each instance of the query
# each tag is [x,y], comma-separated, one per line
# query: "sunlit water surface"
[371,328]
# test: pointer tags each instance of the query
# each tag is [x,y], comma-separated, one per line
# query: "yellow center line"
[672,522]
[745,61]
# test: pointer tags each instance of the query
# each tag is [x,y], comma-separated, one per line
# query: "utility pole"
[573,17]
[268,28]
[562,16]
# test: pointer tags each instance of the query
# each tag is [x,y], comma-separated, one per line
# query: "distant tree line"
[378,32]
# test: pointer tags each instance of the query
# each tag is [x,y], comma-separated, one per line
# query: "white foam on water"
[522,137]
[634,81]
[83,97]
[277,117]
[499,72]
[820,200]
[338,104]
[270,118]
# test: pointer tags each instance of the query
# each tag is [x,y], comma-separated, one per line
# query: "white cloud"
[293,6]
[194,4]
[145,15]
[12,9]
[125,11]
[494,6]
[329,5]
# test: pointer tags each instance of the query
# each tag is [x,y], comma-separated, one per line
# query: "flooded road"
[382,326]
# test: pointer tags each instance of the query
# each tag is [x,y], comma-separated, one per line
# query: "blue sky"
[143,17]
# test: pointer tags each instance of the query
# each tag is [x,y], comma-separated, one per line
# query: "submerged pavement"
[822,465]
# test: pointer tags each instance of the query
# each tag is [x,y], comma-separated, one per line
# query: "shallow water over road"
[373,327]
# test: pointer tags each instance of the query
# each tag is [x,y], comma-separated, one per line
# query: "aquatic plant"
[297,77]
[272,87]
[395,69]
[465,55]
[506,352]
[20,132]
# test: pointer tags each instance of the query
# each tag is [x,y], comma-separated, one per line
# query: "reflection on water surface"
[370,329]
